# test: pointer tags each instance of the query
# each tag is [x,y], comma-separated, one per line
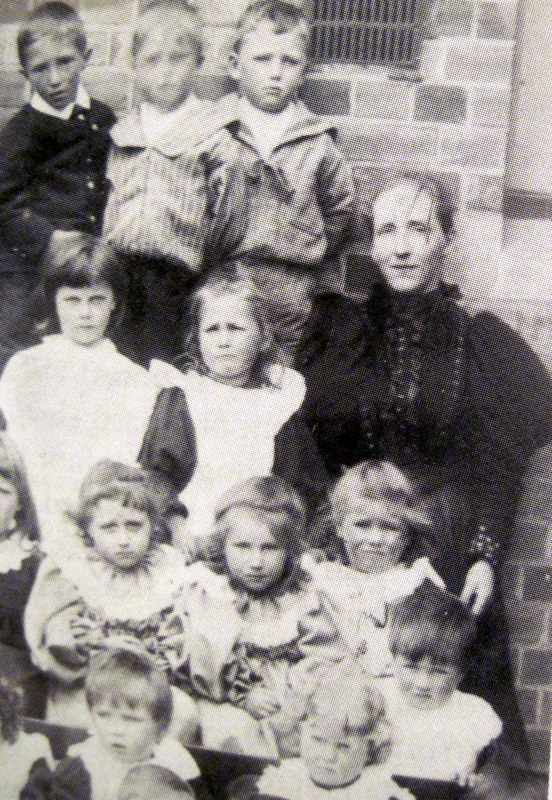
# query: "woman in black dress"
[459,402]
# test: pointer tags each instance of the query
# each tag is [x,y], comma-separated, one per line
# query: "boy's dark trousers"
[156,303]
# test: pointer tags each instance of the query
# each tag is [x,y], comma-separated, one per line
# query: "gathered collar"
[14,550]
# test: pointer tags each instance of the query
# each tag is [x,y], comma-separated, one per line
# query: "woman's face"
[408,242]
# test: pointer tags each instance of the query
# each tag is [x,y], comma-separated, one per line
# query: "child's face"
[84,313]
[9,505]
[255,560]
[128,733]
[230,340]
[165,66]
[374,539]
[424,683]
[333,756]
[53,67]
[270,67]
[121,535]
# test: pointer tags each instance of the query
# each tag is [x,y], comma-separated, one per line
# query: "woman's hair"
[129,677]
[110,480]
[152,780]
[284,17]
[432,623]
[83,261]
[12,469]
[345,696]
[225,284]
[11,711]
[444,203]
[54,19]
[157,14]
[383,482]
[279,506]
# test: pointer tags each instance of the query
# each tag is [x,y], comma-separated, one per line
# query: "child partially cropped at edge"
[52,163]
[298,185]
[169,180]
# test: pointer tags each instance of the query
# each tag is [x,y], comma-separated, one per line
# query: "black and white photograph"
[275,399]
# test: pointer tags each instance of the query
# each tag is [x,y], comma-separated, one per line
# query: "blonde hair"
[156,14]
[224,284]
[13,470]
[284,17]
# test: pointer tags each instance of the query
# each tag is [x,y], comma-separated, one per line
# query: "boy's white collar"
[39,104]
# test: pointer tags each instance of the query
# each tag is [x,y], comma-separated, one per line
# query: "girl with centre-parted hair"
[74,400]
[243,407]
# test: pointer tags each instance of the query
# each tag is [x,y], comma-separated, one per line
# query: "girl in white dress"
[74,400]
[243,406]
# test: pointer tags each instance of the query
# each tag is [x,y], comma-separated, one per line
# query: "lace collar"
[13,551]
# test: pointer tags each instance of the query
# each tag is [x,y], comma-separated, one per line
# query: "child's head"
[11,712]
[17,511]
[228,335]
[336,734]
[269,58]
[378,518]
[257,534]
[53,52]
[166,50]
[430,638]
[117,512]
[148,781]
[84,288]
[130,701]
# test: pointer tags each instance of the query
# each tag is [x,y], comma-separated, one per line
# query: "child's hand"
[261,702]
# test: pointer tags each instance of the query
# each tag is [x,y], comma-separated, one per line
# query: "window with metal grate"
[386,32]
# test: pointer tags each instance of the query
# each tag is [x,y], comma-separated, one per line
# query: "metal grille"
[386,32]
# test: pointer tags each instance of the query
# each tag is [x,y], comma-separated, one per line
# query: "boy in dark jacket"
[52,163]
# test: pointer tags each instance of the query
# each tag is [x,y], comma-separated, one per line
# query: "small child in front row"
[336,748]
[385,540]
[18,750]
[148,781]
[265,635]
[299,187]
[243,406]
[53,155]
[170,178]
[438,732]
[120,582]
[130,704]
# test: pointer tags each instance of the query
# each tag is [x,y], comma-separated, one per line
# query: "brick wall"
[454,122]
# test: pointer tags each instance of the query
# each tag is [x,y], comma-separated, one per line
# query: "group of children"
[158,567]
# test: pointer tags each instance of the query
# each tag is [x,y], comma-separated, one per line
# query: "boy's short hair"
[129,677]
[110,480]
[345,696]
[153,780]
[283,16]
[432,623]
[83,261]
[154,13]
[51,19]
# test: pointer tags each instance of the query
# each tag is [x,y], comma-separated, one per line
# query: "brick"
[432,59]
[536,668]
[121,43]
[539,746]
[545,716]
[213,87]
[529,539]
[112,88]
[389,143]
[218,43]
[537,584]
[491,106]
[107,12]
[9,45]
[383,99]
[536,501]
[479,61]
[526,622]
[473,150]
[12,88]
[453,18]
[497,21]
[528,700]
[440,104]
[221,12]
[13,10]
[484,192]
[99,42]
[332,97]
[511,580]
